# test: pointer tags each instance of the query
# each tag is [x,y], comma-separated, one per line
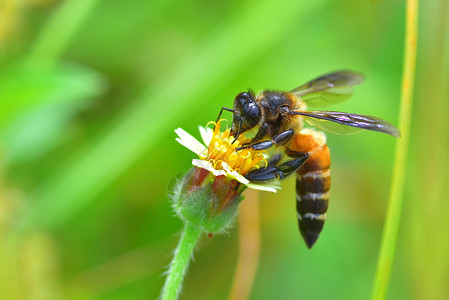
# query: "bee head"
[247,113]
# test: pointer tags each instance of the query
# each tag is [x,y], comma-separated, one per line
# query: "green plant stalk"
[180,262]
[389,236]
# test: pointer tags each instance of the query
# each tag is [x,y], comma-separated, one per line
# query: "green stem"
[389,237]
[180,262]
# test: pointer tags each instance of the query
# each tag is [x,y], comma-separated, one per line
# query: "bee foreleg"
[278,139]
[261,133]
[283,137]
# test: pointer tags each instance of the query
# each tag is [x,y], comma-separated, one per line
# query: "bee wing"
[346,123]
[329,89]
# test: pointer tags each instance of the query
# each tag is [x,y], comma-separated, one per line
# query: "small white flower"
[207,134]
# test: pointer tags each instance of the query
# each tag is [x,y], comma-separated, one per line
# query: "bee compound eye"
[241,100]
[254,112]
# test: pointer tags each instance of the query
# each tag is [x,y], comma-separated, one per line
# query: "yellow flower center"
[222,149]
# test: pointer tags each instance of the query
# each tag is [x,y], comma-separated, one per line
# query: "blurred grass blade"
[60,29]
[150,117]
[428,213]
[389,237]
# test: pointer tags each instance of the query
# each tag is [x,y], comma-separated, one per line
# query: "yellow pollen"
[221,149]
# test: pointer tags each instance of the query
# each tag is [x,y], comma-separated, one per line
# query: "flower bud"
[207,201]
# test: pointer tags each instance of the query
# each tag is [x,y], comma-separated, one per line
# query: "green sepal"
[199,206]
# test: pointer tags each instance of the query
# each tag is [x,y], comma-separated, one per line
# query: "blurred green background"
[91,91]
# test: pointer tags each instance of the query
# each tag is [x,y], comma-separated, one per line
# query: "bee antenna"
[221,111]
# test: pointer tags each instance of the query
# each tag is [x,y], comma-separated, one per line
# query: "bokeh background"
[91,91]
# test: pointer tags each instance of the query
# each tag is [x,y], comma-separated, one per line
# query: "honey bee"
[277,120]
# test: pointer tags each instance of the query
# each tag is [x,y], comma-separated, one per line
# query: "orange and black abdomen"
[312,184]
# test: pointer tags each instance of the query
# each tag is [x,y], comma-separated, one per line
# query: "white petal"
[206,134]
[190,142]
[267,188]
[204,164]
[234,174]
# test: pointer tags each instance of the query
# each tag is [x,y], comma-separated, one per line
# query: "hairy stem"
[180,262]
[392,221]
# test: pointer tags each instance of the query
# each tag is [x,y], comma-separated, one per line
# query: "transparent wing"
[329,89]
[332,127]
[346,123]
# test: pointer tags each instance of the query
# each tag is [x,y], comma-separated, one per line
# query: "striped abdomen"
[312,185]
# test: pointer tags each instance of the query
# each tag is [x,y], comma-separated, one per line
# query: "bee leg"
[260,134]
[275,159]
[292,165]
[264,174]
[236,186]
[294,154]
[271,172]
[276,140]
